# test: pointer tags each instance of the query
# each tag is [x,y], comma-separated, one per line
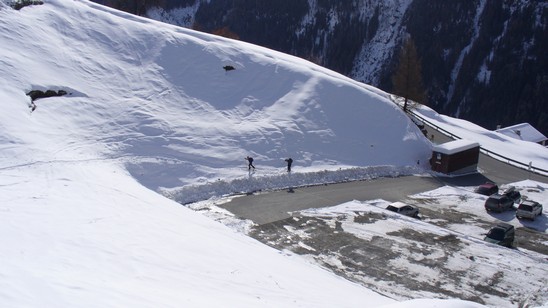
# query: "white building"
[525,132]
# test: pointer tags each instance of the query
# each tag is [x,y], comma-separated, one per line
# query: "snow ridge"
[254,183]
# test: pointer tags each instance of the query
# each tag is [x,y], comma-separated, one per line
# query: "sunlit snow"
[150,110]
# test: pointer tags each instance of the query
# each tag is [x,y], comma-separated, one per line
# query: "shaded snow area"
[150,112]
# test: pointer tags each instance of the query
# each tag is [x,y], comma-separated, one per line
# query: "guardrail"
[510,161]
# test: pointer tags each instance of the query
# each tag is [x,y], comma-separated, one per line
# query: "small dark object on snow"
[228,68]
[250,163]
[289,162]
[37,94]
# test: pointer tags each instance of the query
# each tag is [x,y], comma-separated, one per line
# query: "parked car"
[487,189]
[512,193]
[529,209]
[498,203]
[501,234]
[404,209]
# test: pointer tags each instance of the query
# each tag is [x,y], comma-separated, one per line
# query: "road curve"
[269,207]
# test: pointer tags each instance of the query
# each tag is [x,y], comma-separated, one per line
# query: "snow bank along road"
[273,206]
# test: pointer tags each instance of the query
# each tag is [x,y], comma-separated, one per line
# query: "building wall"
[466,160]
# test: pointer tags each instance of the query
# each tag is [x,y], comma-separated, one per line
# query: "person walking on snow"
[250,161]
[289,162]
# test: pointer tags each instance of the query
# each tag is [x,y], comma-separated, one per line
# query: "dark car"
[512,193]
[529,209]
[498,203]
[487,189]
[501,234]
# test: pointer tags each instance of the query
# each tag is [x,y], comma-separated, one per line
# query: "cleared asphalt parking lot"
[411,261]
[398,263]
[370,261]
[269,207]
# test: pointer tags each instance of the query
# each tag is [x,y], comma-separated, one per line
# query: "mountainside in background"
[169,105]
[482,60]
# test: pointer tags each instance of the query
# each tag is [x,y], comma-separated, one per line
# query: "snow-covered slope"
[152,101]
[158,96]
[85,234]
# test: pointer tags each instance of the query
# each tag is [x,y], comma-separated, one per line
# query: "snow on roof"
[456,146]
[523,131]
[398,204]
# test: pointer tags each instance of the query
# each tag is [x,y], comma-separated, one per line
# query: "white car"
[404,209]
[529,209]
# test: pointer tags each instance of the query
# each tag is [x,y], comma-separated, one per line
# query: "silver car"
[404,209]
[529,209]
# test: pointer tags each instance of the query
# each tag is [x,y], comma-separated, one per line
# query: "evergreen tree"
[407,80]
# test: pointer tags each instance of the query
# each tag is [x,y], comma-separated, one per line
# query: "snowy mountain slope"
[483,61]
[85,234]
[158,96]
[79,230]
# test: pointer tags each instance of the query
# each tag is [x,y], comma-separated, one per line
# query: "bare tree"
[407,80]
